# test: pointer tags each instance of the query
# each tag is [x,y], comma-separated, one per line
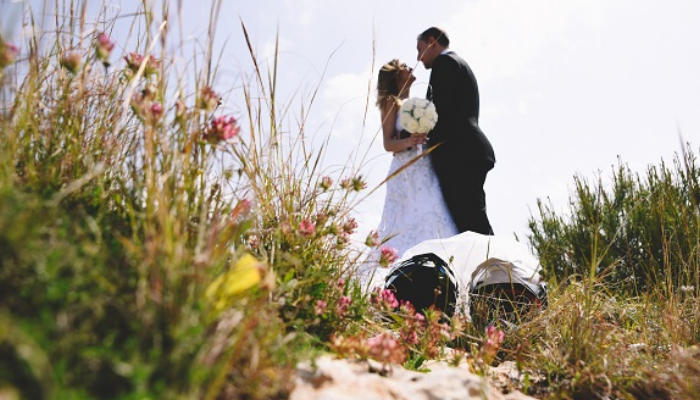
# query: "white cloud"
[345,98]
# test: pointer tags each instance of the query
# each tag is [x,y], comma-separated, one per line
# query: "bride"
[414,209]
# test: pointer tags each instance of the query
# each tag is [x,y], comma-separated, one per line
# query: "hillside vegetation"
[163,236]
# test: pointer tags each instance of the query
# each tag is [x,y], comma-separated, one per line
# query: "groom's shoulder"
[450,57]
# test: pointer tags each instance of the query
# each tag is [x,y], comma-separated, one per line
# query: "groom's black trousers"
[465,198]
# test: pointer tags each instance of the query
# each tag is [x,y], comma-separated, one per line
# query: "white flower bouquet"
[418,116]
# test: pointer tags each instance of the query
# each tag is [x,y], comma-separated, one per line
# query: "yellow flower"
[245,274]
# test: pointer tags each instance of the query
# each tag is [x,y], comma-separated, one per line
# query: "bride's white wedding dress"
[414,211]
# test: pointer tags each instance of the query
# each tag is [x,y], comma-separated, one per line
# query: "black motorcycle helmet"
[424,280]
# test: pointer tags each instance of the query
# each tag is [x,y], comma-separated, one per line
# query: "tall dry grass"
[154,243]
[623,261]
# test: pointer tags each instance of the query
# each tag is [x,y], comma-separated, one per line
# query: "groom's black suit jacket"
[464,155]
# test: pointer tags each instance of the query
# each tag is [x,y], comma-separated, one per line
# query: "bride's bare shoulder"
[389,107]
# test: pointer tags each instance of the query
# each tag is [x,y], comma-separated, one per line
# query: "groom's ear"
[432,41]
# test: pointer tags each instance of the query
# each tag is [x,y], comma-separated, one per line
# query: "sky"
[568,87]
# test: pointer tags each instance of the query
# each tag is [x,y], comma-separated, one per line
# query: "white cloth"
[414,211]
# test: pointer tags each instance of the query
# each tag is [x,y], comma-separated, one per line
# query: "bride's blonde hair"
[387,85]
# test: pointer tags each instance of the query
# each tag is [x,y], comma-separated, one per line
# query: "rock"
[331,379]
[506,377]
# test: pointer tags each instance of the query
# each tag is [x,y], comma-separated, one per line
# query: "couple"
[440,194]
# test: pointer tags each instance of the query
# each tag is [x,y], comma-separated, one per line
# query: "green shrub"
[640,234]
[624,272]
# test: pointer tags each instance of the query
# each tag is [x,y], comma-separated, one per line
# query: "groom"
[464,155]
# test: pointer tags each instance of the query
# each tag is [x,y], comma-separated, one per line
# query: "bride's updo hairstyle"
[387,85]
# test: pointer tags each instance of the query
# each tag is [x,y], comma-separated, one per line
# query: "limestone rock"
[331,379]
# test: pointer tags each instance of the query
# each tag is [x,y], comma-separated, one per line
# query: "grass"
[154,243]
[624,261]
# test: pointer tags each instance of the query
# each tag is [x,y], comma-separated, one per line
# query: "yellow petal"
[213,288]
[243,275]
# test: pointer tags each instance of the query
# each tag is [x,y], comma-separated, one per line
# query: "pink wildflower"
[358,184]
[151,67]
[320,307]
[407,308]
[342,307]
[388,256]
[155,112]
[349,226]
[208,99]
[386,348]
[8,54]
[223,129]
[321,218]
[103,48]
[72,61]
[342,239]
[346,183]
[326,183]
[134,61]
[494,336]
[494,339]
[372,239]
[147,110]
[410,336]
[384,300]
[241,209]
[285,228]
[306,227]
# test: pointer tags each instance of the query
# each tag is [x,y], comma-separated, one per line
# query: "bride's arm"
[391,143]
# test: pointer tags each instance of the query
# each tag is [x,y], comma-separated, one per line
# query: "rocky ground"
[333,379]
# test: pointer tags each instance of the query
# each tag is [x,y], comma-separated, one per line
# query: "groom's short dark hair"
[437,33]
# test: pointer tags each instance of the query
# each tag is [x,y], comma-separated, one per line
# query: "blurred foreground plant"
[114,223]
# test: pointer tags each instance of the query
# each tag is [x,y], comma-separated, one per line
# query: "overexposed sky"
[566,86]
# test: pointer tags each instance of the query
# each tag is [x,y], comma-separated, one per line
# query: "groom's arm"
[444,83]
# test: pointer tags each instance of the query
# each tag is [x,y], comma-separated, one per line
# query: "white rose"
[407,106]
[432,113]
[404,118]
[425,124]
[418,112]
[412,126]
